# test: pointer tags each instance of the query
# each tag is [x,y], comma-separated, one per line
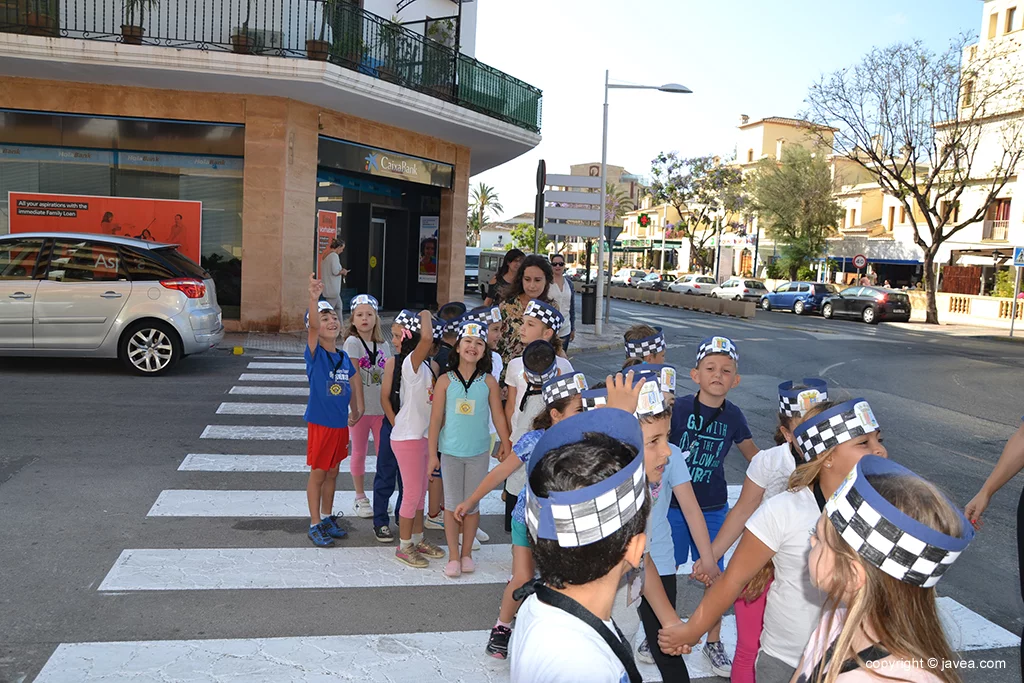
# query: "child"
[328,413]
[706,425]
[562,400]
[413,341]
[586,509]
[364,341]
[889,623]
[457,430]
[644,344]
[446,330]
[450,315]
[767,475]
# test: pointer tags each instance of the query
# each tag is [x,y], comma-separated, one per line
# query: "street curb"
[601,347]
[1008,340]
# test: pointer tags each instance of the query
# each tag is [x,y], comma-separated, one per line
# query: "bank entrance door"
[378,242]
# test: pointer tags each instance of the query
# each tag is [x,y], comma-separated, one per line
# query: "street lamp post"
[668,87]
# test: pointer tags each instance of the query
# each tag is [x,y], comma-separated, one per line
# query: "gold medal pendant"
[335,389]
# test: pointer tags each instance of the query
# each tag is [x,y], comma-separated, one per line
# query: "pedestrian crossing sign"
[1018,256]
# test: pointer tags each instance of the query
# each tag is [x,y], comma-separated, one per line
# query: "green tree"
[482,200]
[616,204]
[700,189]
[794,202]
[522,238]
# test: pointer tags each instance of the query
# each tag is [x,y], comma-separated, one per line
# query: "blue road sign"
[1018,256]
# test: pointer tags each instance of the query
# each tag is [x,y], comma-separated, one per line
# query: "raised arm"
[316,288]
[422,350]
[1010,463]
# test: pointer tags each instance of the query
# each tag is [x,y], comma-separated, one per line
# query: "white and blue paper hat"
[450,316]
[648,346]
[564,386]
[796,402]
[360,299]
[713,345]
[410,320]
[650,402]
[837,425]
[664,375]
[539,362]
[488,315]
[885,536]
[595,512]
[321,306]
[472,329]
[544,312]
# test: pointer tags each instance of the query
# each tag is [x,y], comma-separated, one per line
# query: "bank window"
[75,261]
[18,259]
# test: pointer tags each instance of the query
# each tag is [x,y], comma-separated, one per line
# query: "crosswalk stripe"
[230,462]
[276,366]
[277,377]
[251,433]
[218,503]
[279,358]
[269,391]
[283,409]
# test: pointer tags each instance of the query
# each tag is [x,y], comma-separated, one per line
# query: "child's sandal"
[468,566]
[453,569]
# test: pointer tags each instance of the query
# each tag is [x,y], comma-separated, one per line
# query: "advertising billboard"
[326,231]
[427,264]
[158,220]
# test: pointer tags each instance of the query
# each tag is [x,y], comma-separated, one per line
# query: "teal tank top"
[466,413]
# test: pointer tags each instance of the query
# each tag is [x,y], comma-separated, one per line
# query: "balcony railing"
[997,231]
[331,30]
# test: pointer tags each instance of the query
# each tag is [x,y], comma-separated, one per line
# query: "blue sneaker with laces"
[330,525]
[318,534]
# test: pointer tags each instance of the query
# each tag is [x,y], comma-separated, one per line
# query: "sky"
[754,57]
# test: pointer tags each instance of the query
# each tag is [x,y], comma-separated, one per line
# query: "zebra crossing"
[260,453]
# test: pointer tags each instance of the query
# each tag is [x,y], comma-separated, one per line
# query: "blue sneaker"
[330,525]
[318,534]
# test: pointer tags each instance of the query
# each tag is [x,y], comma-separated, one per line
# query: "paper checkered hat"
[468,328]
[648,346]
[488,315]
[796,402]
[539,364]
[595,512]
[664,375]
[321,306]
[564,386]
[885,536]
[834,426]
[360,299]
[650,401]
[450,316]
[547,314]
[438,327]
[713,345]
[409,320]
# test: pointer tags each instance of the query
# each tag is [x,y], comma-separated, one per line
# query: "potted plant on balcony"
[39,17]
[131,33]
[396,49]
[318,48]
[439,58]
[242,41]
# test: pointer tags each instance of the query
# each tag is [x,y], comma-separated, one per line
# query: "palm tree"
[483,199]
[617,203]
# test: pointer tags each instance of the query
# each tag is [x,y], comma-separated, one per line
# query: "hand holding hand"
[677,639]
[504,451]
[435,463]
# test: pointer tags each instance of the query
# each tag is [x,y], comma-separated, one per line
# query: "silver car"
[700,285]
[99,296]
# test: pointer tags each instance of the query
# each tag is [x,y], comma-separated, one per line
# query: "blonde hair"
[376,334]
[806,475]
[902,618]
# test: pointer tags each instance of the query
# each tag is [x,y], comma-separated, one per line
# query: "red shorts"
[325,446]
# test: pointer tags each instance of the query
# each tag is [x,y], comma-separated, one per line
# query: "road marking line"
[280,358]
[251,433]
[276,366]
[269,391]
[263,377]
[757,339]
[228,462]
[825,370]
[285,409]
[216,503]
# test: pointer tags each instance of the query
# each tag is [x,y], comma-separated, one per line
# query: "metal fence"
[331,30]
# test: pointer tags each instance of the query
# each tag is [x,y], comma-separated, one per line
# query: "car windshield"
[472,261]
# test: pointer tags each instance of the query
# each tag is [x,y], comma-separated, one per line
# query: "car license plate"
[899,310]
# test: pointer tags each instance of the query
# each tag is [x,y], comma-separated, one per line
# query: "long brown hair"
[376,335]
[807,473]
[901,618]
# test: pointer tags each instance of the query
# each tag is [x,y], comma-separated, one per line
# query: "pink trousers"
[359,434]
[749,622]
[413,461]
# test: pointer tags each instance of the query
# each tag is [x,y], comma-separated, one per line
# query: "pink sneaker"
[453,569]
[468,565]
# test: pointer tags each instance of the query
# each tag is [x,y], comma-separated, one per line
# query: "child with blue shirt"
[705,426]
[328,414]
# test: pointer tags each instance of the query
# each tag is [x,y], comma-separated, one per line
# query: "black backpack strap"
[617,642]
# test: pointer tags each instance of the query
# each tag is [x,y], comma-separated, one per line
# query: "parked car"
[99,296]
[739,289]
[799,297]
[700,285]
[650,281]
[870,304]
[628,277]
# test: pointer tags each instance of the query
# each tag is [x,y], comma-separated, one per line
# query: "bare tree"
[929,127]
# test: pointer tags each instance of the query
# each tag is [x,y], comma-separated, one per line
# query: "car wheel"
[826,311]
[765,304]
[868,316]
[737,298]
[149,347]
[713,295]
[798,307]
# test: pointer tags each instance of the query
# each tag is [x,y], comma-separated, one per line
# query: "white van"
[472,267]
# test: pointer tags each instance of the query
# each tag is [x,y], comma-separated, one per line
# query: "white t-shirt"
[522,420]
[416,394]
[784,524]
[370,370]
[563,299]
[552,646]
[770,469]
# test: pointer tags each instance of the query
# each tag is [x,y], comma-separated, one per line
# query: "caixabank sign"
[348,156]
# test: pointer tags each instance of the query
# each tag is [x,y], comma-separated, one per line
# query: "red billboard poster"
[326,230]
[158,220]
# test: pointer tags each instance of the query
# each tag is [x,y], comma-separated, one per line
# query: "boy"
[644,344]
[586,508]
[327,413]
[706,426]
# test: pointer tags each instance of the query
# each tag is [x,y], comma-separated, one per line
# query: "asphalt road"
[87,449]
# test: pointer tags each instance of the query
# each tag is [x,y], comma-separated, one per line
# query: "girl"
[457,431]
[504,277]
[832,438]
[364,343]
[889,623]
[644,344]
[412,338]
[532,282]
[767,475]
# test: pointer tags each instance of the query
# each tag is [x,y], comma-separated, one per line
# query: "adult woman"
[564,296]
[504,277]
[332,274]
[532,282]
